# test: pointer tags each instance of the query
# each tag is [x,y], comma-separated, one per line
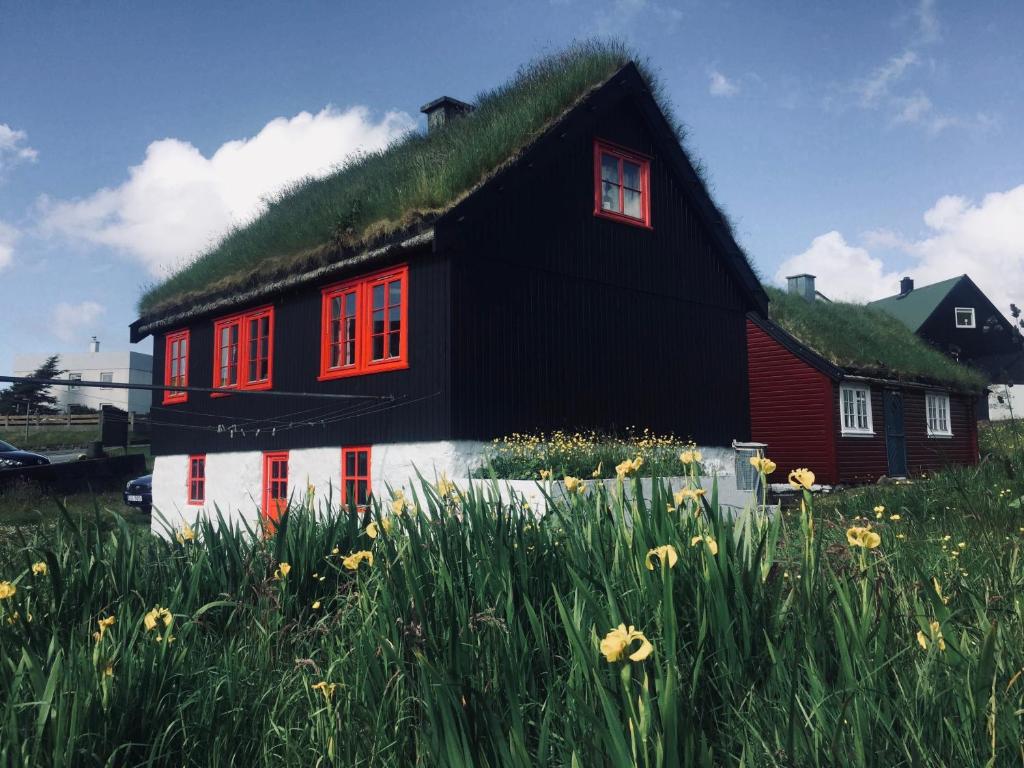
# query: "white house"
[121,366]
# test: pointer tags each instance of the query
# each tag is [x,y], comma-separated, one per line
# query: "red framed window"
[243,351]
[275,486]
[176,366]
[355,476]
[364,327]
[622,184]
[196,480]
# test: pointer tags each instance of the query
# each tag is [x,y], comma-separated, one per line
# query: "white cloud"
[877,85]
[8,235]
[73,321]
[913,108]
[13,148]
[984,240]
[845,272]
[928,29]
[720,85]
[177,201]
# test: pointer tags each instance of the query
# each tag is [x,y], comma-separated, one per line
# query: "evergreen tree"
[37,396]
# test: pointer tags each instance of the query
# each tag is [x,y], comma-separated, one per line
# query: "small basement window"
[196,480]
[622,184]
[355,476]
[176,366]
[937,412]
[964,317]
[855,406]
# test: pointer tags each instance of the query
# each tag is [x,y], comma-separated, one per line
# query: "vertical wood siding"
[790,408]
[567,320]
[420,412]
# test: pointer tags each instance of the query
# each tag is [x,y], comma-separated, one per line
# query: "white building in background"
[124,367]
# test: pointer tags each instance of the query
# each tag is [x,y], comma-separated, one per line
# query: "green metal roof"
[914,308]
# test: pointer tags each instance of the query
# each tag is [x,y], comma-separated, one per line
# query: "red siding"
[927,454]
[791,405]
[862,459]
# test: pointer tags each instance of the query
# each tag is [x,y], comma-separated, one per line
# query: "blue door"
[895,436]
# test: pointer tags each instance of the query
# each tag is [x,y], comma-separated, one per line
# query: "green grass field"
[482,636]
[50,438]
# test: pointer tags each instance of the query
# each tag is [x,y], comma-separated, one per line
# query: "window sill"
[196,503]
[940,435]
[622,218]
[396,365]
[175,401]
[844,433]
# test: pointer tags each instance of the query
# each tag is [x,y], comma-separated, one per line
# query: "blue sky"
[857,141]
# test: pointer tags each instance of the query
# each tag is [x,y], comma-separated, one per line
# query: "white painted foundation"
[234,480]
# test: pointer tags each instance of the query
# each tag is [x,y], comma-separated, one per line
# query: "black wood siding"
[566,320]
[421,412]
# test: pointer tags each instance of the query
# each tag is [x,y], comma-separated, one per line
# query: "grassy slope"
[49,438]
[869,340]
[419,174]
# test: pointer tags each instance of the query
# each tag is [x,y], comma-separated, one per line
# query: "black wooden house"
[585,280]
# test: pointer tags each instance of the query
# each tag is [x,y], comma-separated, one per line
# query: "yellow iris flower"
[862,537]
[597,472]
[801,478]
[327,689]
[545,474]
[156,616]
[104,624]
[628,467]
[373,530]
[690,455]
[39,569]
[618,641]
[935,630]
[709,540]
[282,571]
[353,561]
[666,553]
[7,590]
[574,484]
[763,465]
[186,534]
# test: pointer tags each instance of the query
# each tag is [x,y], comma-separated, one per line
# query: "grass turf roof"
[381,193]
[866,341]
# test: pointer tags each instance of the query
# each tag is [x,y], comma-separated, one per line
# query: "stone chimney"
[802,285]
[94,345]
[906,286]
[441,111]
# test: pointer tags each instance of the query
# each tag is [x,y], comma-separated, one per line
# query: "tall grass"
[474,639]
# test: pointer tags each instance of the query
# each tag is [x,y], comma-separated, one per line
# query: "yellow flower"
[935,630]
[962,545]
[104,625]
[353,561]
[335,551]
[156,616]
[597,472]
[574,484]
[801,478]
[282,572]
[39,569]
[7,590]
[108,671]
[895,518]
[666,553]
[545,474]
[186,534]
[862,537]
[687,494]
[628,467]
[316,605]
[445,487]
[327,689]
[879,509]
[398,502]
[712,544]
[938,591]
[373,530]
[618,641]
[763,465]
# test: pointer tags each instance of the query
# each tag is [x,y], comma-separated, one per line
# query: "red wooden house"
[852,394]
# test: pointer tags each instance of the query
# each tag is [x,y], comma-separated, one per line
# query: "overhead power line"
[208,390]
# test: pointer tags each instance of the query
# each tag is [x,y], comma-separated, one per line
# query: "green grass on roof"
[387,191]
[866,340]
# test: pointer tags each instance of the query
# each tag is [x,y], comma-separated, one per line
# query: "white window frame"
[937,404]
[107,377]
[72,377]
[956,317]
[856,428]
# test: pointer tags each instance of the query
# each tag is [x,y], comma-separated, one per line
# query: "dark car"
[11,457]
[139,493]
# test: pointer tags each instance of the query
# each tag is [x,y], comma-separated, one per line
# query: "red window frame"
[352,473]
[177,360]
[244,357]
[275,487]
[621,154]
[197,480]
[364,293]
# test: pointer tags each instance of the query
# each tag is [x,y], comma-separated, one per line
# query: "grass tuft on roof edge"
[381,193]
[866,340]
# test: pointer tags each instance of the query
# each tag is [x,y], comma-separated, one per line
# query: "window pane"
[361,492]
[394,293]
[363,469]
[633,205]
[609,168]
[630,175]
[378,347]
[610,197]
[350,463]
[378,321]
[378,296]
[394,344]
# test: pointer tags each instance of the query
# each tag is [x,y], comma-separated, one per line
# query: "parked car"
[11,457]
[139,493]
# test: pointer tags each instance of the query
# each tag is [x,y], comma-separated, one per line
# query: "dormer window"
[622,184]
[243,351]
[965,317]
